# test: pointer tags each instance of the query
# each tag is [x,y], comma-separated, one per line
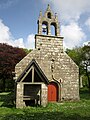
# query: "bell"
[44,29]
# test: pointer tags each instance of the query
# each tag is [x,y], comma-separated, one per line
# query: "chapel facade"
[47,73]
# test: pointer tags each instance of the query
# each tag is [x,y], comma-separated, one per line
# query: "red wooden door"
[52,92]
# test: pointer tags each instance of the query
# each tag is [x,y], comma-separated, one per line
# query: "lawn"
[54,111]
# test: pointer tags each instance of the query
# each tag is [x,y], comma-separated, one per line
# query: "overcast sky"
[18,21]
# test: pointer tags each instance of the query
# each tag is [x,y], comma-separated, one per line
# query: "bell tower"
[45,22]
[48,31]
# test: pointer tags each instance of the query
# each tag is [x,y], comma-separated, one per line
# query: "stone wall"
[44,97]
[19,96]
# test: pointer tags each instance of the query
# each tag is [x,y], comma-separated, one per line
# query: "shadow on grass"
[7,99]
[84,94]
[43,116]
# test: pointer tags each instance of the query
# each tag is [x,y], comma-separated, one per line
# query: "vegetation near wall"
[54,111]
[9,57]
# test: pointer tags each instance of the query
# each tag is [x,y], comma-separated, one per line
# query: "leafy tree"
[86,62]
[9,57]
[27,51]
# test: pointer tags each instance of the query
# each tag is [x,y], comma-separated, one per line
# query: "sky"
[18,21]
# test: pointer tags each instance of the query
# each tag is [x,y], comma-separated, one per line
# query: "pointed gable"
[33,73]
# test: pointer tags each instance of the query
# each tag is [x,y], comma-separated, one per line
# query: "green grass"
[54,111]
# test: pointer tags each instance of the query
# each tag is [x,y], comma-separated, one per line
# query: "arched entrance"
[52,92]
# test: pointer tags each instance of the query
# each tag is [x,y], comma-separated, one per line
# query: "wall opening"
[49,15]
[32,94]
[53,29]
[44,28]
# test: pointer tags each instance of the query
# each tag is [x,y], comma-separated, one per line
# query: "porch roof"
[33,62]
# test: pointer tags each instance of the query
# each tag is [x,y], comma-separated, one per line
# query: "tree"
[86,62]
[9,57]
[27,51]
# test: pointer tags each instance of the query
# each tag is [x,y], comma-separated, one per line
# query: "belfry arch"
[45,28]
[53,29]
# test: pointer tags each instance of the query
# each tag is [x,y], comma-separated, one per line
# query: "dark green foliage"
[84,94]
[7,99]
[27,51]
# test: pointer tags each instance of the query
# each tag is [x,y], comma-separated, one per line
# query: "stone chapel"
[47,73]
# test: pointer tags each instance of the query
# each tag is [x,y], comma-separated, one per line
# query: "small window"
[49,15]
